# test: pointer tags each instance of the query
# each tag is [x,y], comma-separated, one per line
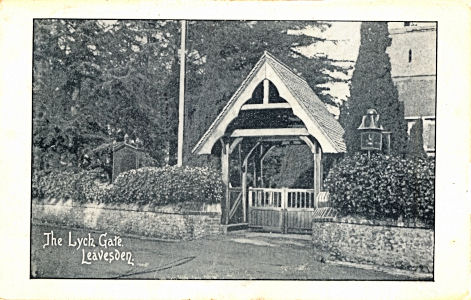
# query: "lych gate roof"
[312,104]
[305,104]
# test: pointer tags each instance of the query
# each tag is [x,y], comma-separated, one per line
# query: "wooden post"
[240,163]
[244,182]
[266,91]
[181,97]
[284,210]
[244,191]
[261,173]
[255,183]
[250,204]
[317,171]
[258,164]
[225,205]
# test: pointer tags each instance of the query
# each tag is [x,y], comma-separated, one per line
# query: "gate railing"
[282,198]
[266,197]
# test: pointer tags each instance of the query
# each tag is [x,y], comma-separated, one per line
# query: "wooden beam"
[250,152]
[234,144]
[264,154]
[284,105]
[308,142]
[270,132]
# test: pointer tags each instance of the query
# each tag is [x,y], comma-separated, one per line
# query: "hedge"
[143,186]
[160,186]
[80,186]
[384,187]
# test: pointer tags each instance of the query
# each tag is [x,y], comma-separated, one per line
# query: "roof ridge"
[268,54]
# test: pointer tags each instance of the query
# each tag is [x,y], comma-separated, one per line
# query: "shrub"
[384,187]
[160,186]
[81,186]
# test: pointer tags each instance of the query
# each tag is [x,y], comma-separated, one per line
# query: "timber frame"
[280,92]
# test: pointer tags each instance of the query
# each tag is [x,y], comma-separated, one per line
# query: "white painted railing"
[266,197]
[300,198]
[282,198]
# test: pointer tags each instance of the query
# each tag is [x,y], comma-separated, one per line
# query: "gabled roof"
[297,92]
[121,145]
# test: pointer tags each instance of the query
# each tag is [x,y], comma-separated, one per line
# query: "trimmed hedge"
[160,186]
[384,187]
[83,186]
[148,185]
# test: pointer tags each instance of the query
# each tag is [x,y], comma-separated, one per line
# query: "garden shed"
[272,107]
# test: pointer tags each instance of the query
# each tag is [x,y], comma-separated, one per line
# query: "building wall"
[420,40]
[413,70]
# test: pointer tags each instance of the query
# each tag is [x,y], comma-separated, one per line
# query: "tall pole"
[181,98]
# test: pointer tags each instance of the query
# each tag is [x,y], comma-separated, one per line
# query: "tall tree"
[415,145]
[222,53]
[96,81]
[372,87]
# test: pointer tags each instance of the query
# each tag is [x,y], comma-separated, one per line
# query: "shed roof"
[319,122]
[120,145]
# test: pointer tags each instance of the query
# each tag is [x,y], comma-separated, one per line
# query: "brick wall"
[390,246]
[170,222]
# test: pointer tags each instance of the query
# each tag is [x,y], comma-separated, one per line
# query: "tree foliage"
[97,81]
[372,87]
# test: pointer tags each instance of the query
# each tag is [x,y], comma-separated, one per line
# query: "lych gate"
[272,107]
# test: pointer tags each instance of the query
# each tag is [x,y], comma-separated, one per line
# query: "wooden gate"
[281,210]
[236,210]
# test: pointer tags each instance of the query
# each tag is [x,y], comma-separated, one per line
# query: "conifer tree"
[415,146]
[372,87]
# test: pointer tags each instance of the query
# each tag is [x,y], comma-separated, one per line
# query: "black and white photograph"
[235,150]
[212,149]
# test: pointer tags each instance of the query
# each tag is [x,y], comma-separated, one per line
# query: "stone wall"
[390,246]
[182,222]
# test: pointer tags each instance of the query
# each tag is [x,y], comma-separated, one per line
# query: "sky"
[347,35]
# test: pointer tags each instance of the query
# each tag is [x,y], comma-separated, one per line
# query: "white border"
[452,268]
